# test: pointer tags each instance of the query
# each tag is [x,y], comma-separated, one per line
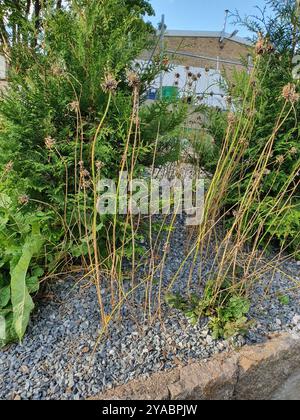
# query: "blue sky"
[205,15]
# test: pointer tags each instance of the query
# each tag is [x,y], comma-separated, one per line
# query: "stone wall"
[253,373]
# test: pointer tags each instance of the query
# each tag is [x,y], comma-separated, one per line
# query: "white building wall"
[2,68]
[208,87]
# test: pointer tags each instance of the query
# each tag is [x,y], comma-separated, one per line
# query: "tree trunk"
[28,6]
[4,38]
[37,12]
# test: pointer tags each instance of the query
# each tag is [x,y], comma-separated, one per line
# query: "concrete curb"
[253,373]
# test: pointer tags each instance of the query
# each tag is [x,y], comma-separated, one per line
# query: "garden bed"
[56,359]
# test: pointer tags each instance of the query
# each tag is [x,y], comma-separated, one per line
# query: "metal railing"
[217,60]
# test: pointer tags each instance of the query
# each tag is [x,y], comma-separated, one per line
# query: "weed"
[227,314]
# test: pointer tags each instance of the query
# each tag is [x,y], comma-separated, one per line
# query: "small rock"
[209,340]
[24,369]
[204,333]
[296,320]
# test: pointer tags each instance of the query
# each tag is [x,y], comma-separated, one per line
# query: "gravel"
[56,360]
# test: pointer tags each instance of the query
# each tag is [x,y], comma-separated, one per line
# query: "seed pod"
[290,94]
[110,84]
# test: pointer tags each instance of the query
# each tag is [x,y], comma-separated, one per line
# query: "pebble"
[24,369]
[296,320]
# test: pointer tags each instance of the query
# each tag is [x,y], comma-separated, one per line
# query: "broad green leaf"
[2,329]
[38,272]
[4,296]
[3,221]
[21,299]
[7,331]
[32,284]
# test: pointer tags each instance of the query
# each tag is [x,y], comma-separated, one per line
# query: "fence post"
[162,38]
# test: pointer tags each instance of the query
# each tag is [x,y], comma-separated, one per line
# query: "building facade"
[199,62]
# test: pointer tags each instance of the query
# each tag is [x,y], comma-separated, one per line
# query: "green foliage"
[280,22]
[226,309]
[203,146]
[284,300]
[49,124]
[273,212]
[20,244]
[22,22]
[209,142]
[162,122]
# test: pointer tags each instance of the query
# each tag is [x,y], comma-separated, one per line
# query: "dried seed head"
[24,200]
[294,151]
[280,159]
[8,167]
[207,69]
[85,178]
[252,113]
[166,248]
[85,183]
[133,79]
[49,143]
[263,46]
[270,48]
[289,93]
[195,78]
[57,70]
[199,75]
[243,142]
[74,106]
[85,173]
[229,100]
[237,213]
[177,76]
[260,46]
[231,118]
[99,165]
[109,84]
[190,74]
